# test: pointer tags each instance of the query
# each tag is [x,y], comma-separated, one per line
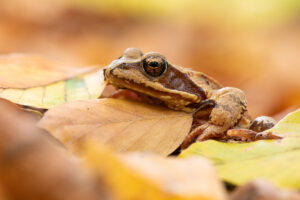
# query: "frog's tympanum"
[219,112]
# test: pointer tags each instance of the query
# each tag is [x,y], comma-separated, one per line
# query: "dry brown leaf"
[147,176]
[124,125]
[25,71]
[35,166]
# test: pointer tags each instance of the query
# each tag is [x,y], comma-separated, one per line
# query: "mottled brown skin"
[216,109]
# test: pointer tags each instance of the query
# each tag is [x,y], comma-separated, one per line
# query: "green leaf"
[275,160]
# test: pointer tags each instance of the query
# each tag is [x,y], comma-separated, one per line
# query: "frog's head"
[152,75]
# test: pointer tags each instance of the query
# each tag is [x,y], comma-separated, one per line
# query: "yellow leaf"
[125,125]
[146,176]
[40,83]
[289,126]
[275,160]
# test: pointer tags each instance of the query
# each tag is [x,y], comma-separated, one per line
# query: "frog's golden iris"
[155,66]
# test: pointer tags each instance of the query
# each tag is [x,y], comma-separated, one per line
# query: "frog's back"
[207,83]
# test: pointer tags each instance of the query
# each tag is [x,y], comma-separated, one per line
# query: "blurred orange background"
[253,44]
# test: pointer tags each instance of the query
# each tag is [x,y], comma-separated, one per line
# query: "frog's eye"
[155,65]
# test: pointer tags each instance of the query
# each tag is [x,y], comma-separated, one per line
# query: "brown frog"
[219,112]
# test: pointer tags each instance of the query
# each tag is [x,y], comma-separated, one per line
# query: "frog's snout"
[107,73]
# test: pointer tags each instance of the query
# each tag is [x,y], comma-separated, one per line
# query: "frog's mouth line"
[124,93]
[148,94]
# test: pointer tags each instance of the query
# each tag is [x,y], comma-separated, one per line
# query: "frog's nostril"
[104,74]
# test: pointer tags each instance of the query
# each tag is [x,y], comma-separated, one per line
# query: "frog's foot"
[254,132]
[246,135]
[204,132]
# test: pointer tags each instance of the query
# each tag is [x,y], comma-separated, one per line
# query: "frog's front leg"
[229,106]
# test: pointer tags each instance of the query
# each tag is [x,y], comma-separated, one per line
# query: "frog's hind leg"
[230,104]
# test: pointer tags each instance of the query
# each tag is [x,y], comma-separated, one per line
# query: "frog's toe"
[246,135]
[267,135]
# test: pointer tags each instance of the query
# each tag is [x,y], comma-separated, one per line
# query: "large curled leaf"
[38,82]
[146,176]
[125,125]
[275,160]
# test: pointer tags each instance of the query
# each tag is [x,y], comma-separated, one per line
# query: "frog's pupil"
[154,64]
